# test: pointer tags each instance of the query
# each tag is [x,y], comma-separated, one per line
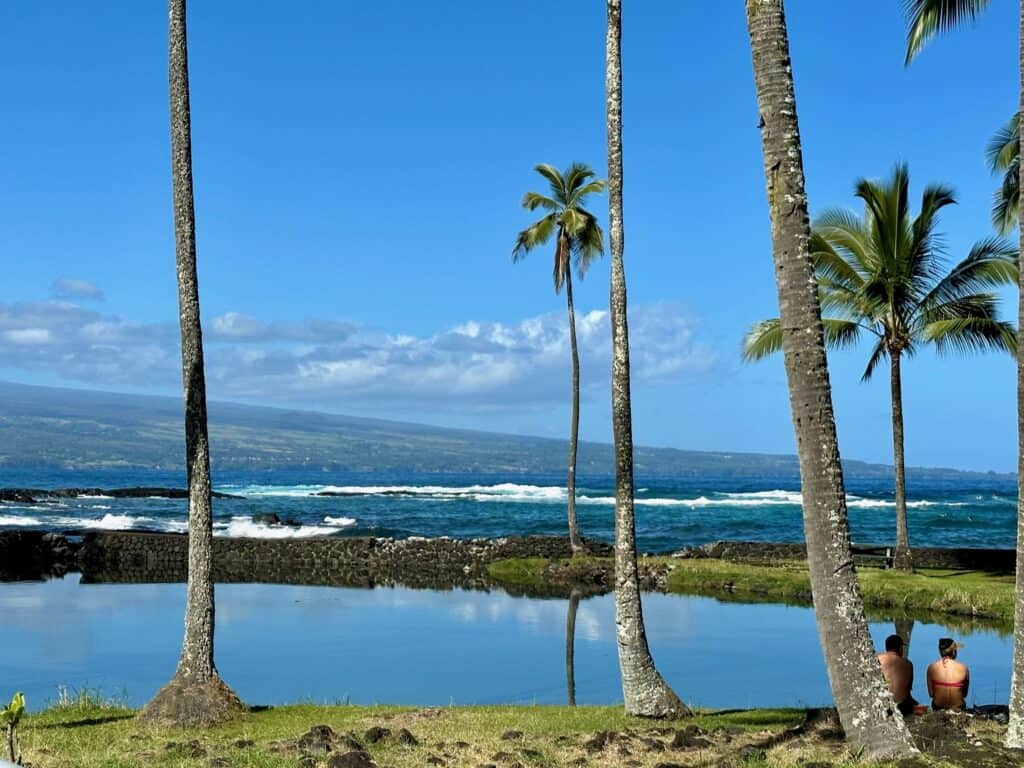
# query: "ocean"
[671,512]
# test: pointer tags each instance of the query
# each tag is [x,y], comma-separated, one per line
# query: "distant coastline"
[48,429]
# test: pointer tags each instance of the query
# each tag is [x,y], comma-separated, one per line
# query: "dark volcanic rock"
[318,740]
[35,555]
[41,495]
[266,518]
[510,735]
[375,734]
[406,737]
[357,758]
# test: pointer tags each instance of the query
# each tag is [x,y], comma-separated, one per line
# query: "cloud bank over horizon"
[476,365]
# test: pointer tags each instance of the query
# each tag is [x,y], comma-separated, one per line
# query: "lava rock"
[375,734]
[405,737]
[357,758]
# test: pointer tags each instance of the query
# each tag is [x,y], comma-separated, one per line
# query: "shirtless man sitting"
[948,679]
[899,674]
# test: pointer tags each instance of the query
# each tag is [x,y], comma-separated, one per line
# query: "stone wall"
[358,562]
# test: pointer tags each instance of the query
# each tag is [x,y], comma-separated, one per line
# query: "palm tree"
[866,707]
[926,18]
[196,695]
[881,275]
[644,690]
[1003,153]
[578,241]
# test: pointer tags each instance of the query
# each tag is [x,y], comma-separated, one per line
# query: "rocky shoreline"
[43,496]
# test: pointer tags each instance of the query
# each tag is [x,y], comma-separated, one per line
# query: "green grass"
[84,735]
[923,594]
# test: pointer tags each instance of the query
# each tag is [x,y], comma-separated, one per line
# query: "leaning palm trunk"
[195,695]
[901,559]
[574,430]
[644,690]
[1015,731]
[866,707]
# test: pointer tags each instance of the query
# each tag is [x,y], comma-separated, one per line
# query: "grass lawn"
[981,595]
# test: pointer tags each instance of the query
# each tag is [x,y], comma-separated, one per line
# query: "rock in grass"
[689,738]
[318,740]
[752,754]
[511,735]
[405,737]
[244,743]
[357,758]
[375,734]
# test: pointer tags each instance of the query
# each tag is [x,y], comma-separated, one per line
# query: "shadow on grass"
[85,721]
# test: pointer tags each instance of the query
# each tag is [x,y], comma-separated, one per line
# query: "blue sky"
[358,170]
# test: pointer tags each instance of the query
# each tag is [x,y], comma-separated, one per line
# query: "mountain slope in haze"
[45,427]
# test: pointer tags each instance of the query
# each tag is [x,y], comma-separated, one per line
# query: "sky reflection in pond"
[278,644]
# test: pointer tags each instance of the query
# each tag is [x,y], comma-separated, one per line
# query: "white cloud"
[476,364]
[73,288]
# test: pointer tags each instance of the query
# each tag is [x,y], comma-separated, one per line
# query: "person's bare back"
[899,673]
[948,679]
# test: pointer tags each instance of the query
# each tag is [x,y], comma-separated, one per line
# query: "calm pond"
[278,644]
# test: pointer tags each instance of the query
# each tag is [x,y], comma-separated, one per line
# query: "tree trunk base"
[660,704]
[191,704]
[902,560]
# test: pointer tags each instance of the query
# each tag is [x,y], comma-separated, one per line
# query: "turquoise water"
[671,512]
[278,644]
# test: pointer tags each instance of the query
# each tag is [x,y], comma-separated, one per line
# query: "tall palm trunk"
[866,707]
[644,690]
[574,430]
[570,646]
[901,559]
[196,695]
[1015,731]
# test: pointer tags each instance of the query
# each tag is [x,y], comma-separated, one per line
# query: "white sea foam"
[340,522]
[19,520]
[244,527]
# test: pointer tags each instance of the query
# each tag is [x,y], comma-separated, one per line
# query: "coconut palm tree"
[1003,153]
[196,695]
[881,275]
[644,690]
[866,707]
[578,241]
[925,20]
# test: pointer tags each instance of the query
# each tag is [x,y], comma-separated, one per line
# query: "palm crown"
[881,274]
[580,239]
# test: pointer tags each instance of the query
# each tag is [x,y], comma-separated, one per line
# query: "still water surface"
[278,644]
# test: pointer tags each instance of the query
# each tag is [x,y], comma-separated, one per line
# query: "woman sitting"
[948,679]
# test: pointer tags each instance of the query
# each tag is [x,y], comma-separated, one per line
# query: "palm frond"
[878,354]
[927,18]
[533,200]
[594,187]
[558,190]
[1004,146]
[830,265]
[588,244]
[991,263]
[971,334]
[763,339]
[1006,200]
[576,175]
[536,234]
[840,333]
[847,234]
